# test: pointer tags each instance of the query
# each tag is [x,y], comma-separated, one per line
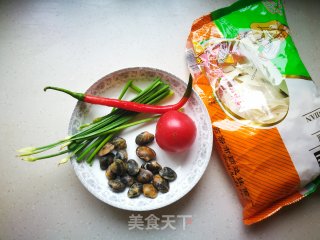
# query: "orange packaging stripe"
[256,160]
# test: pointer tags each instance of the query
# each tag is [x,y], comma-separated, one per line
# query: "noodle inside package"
[263,104]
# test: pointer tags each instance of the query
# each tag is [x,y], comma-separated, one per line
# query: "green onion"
[85,144]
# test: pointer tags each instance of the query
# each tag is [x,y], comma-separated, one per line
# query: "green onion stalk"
[87,142]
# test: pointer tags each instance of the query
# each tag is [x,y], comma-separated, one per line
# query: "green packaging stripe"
[312,187]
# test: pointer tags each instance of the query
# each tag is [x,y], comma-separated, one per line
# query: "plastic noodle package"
[264,107]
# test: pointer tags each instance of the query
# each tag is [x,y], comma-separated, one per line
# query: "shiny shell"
[144,138]
[108,147]
[118,167]
[109,174]
[119,143]
[135,190]
[144,176]
[127,180]
[145,153]
[149,191]
[106,160]
[168,173]
[161,184]
[122,155]
[116,185]
[152,166]
[132,167]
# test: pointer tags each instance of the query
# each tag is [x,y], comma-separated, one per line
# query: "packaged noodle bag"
[264,107]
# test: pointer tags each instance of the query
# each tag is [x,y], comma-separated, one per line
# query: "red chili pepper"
[127,105]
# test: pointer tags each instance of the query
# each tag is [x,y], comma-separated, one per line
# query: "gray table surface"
[75,43]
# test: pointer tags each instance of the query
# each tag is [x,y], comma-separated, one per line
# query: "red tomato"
[175,131]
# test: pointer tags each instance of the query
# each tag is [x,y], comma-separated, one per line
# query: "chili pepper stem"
[79,96]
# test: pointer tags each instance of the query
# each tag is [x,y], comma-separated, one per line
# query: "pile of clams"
[148,179]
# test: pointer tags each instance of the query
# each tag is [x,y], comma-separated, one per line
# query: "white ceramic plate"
[189,165]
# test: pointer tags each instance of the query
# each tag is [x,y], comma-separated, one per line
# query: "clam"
[108,147]
[135,190]
[144,176]
[127,180]
[161,184]
[119,143]
[152,166]
[149,191]
[144,138]
[168,173]
[122,154]
[116,185]
[109,174]
[145,153]
[118,167]
[106,160]
[132,167]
